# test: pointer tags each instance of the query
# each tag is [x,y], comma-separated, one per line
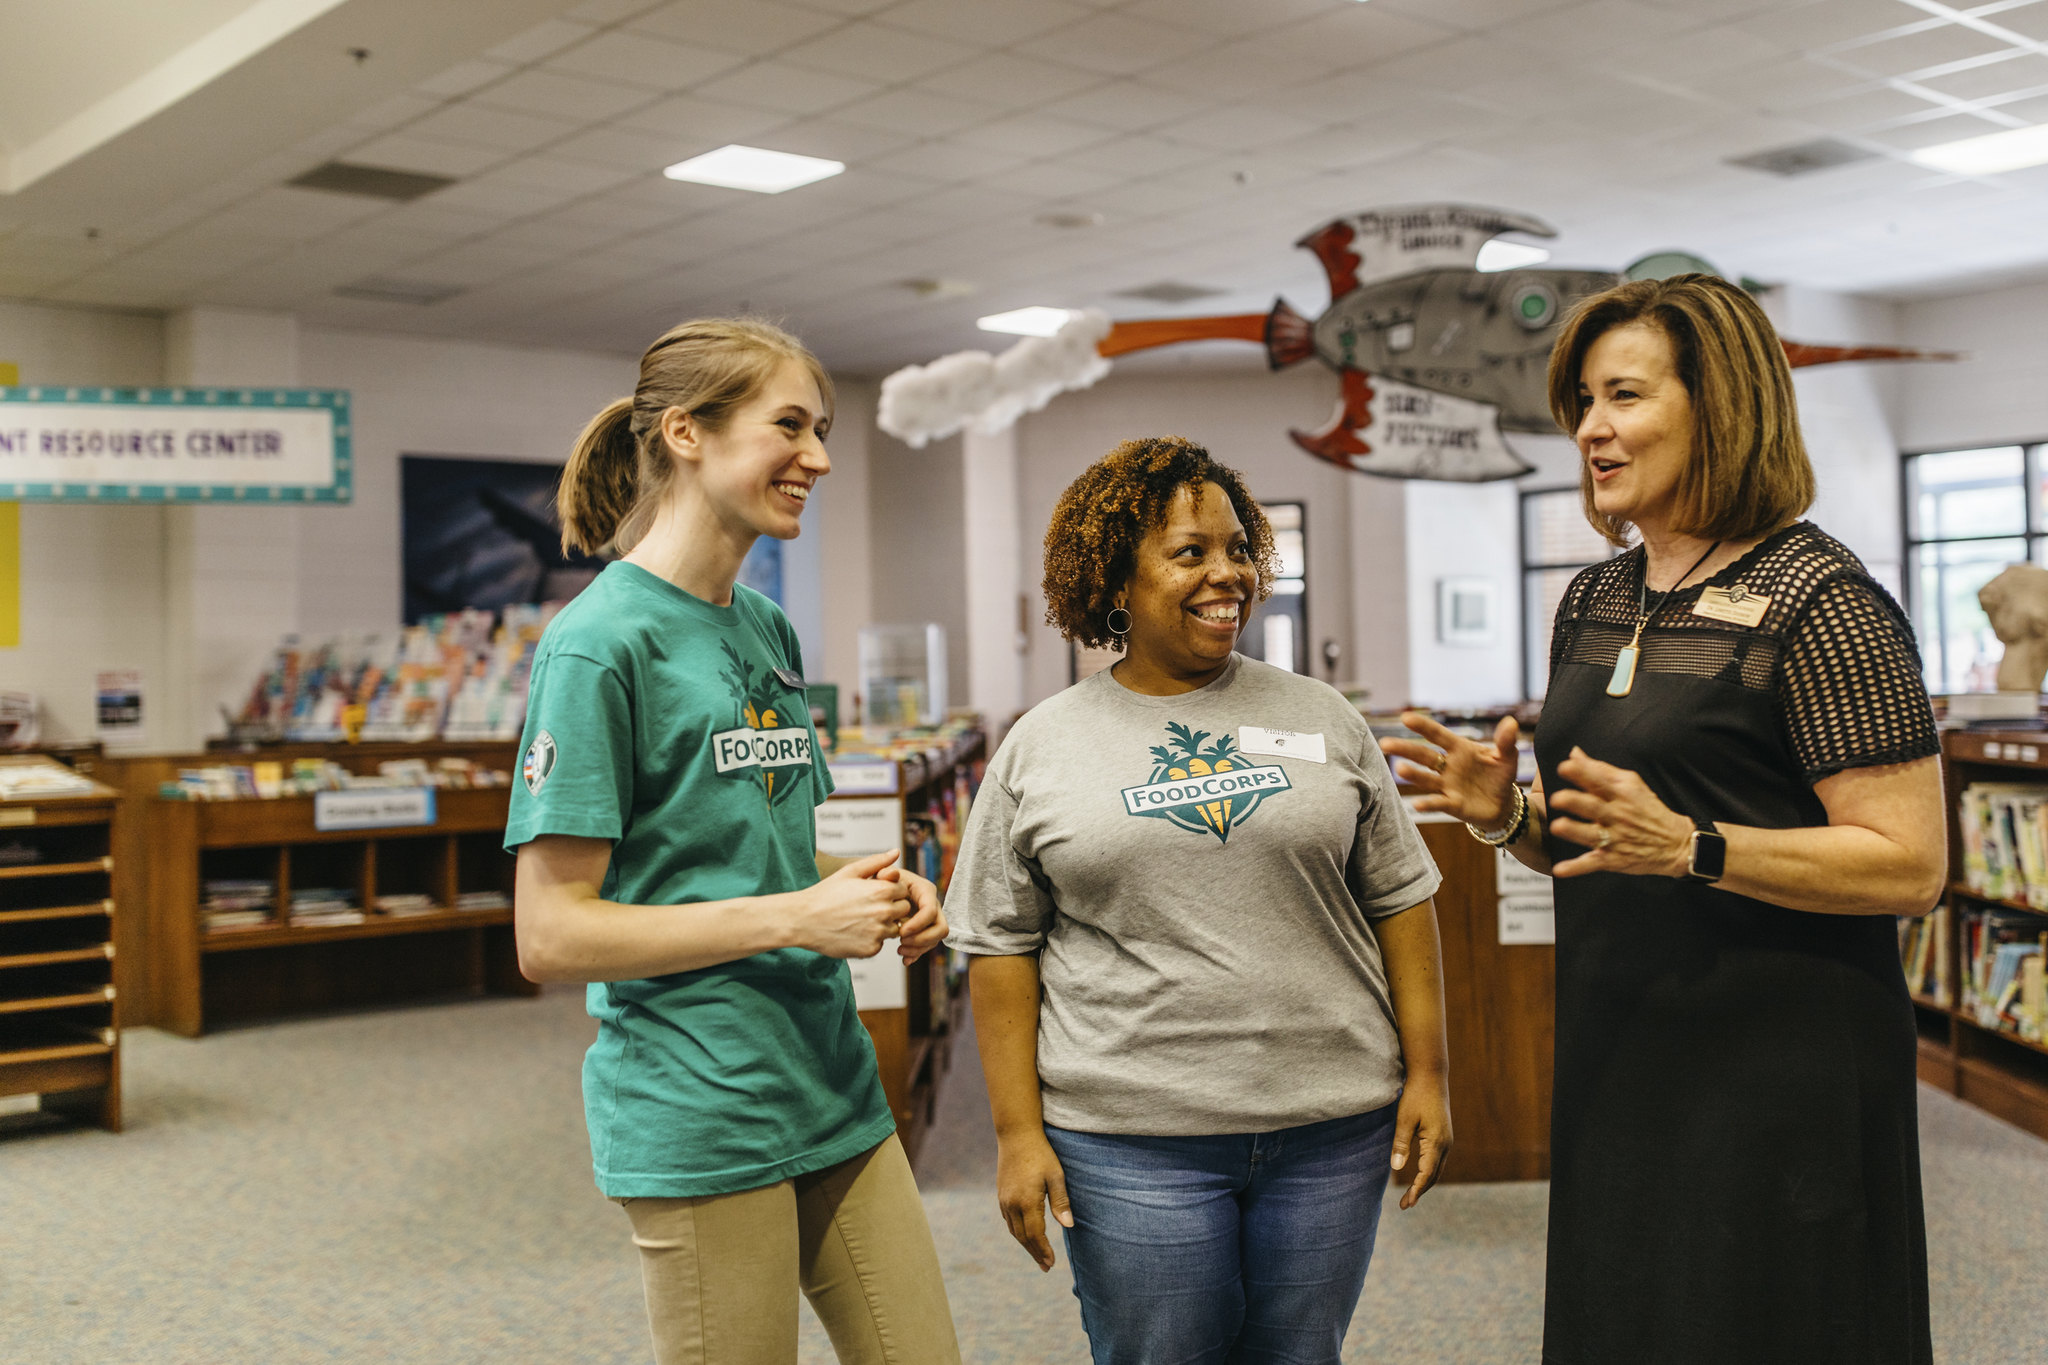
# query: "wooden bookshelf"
[204,977]
[913,1042]
[1991,1068]
[59,1008]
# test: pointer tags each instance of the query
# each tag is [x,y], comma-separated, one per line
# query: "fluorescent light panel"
[1988,155]
[1499,255]
[1025,322]
[735,167]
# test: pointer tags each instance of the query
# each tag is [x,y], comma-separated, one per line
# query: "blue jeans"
[1228,1250]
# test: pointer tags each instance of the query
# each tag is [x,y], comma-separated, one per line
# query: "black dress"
[1735,1157]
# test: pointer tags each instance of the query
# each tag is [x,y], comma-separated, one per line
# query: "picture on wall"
[485,533]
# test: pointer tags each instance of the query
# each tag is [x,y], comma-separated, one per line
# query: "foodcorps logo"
[1194,791]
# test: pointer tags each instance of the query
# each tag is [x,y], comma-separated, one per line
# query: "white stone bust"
[2017,603]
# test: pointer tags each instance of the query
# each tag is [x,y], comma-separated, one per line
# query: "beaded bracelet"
[1515,826]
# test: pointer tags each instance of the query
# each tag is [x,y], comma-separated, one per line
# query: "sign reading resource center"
[174,445]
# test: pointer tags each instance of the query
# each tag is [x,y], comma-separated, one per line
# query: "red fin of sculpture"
[1332,245]
[1290,337]
[1339,441]
[1798,353]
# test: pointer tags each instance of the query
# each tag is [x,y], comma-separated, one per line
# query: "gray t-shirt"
[1200,888]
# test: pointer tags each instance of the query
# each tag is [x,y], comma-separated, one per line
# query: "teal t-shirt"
[673,728]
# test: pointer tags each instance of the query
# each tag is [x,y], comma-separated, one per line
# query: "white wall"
[91,577]
[1998,392]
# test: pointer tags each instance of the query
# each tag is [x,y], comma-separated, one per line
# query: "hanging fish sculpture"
[1435,357]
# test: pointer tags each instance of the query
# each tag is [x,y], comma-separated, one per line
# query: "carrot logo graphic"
[1199,787]
[766,738]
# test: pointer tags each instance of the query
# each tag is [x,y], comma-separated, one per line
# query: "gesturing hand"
[1614,813]
[851,912]
[926,928]
[1464,778]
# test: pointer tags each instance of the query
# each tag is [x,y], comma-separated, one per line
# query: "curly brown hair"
[1091,545]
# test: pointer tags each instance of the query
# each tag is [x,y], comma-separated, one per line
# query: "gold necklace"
[1624,680]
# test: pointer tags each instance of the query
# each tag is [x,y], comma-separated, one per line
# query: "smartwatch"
[1708,855]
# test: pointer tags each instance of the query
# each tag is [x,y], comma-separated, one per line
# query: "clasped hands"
[1609,811]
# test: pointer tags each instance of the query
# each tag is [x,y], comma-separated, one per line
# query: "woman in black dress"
[1737,794]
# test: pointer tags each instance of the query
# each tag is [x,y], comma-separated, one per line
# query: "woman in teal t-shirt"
[667,856]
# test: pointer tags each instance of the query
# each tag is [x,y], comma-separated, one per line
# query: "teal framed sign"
[175,445]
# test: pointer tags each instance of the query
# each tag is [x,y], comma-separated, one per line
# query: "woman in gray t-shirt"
[1206,979]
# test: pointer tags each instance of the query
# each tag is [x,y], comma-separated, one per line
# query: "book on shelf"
[2003,953]
[2004,828]
[483,900]
[320,906]
[407,904]
[234,903]
[1923,952]
[23,781]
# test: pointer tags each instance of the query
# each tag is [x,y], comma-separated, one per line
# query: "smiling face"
[758,472]
[1636,434]
[1191,587]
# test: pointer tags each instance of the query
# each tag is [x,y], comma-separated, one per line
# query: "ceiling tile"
[1931,133]
[1229,18]
[540,41]
[1784,85]
[984,23]
[1116,45]
[2028,21]
[1348,146]
[1482,16]
[490,127]
[699,125]
[401,152]
[626,214]
[970,204]
[1353,35]
[555,235]
[501,199]
[2025,72]
[1230,73]
[610,11]
[625,148]
[1137,155]
[781,86]
[559,96]
[848,7]
[834,139]
[1031,134]
[432,218]
[479,262]
[1913,52]
[1239,128]
[638,59]
[877,53]
[1802,28]
[557,174]
[1005,78]
[1130,106]
[393,112]
[945,160]
[1060,179]
[460,80]
[1855,111]
[917,112]
[754,27]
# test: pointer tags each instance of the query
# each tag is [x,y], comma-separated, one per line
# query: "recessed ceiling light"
[1025,322]
[753,168]
[1990,154]
[1499,255]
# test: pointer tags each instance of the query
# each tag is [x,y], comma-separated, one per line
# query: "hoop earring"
[1114,628]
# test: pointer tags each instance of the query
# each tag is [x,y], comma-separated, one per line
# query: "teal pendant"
[1624,679]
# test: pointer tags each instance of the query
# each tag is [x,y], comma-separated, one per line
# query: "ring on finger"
[1606,838]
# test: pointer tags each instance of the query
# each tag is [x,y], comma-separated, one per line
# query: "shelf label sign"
[863,779]
[193,445]
[378,808]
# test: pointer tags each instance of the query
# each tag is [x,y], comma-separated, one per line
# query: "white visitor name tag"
[1736,605]
[1256,739]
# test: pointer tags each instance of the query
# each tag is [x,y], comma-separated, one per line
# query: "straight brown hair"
[1748,474]
[620,468]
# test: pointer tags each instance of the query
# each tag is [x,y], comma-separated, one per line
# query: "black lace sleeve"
[1849,684]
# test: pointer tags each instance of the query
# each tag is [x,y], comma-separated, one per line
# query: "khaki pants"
[722,1270]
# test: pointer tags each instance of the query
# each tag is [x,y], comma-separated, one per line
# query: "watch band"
[1707,856]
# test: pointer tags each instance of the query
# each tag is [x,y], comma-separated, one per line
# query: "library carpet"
[412,1186]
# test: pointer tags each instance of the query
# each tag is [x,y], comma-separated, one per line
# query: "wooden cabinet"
[1995,1070]
[59,1010]
[206,977]
[1500,1006]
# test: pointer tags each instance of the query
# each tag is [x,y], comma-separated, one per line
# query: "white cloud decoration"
[922,403]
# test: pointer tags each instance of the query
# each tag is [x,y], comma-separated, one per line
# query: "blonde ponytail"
[600,483]
[620,469]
